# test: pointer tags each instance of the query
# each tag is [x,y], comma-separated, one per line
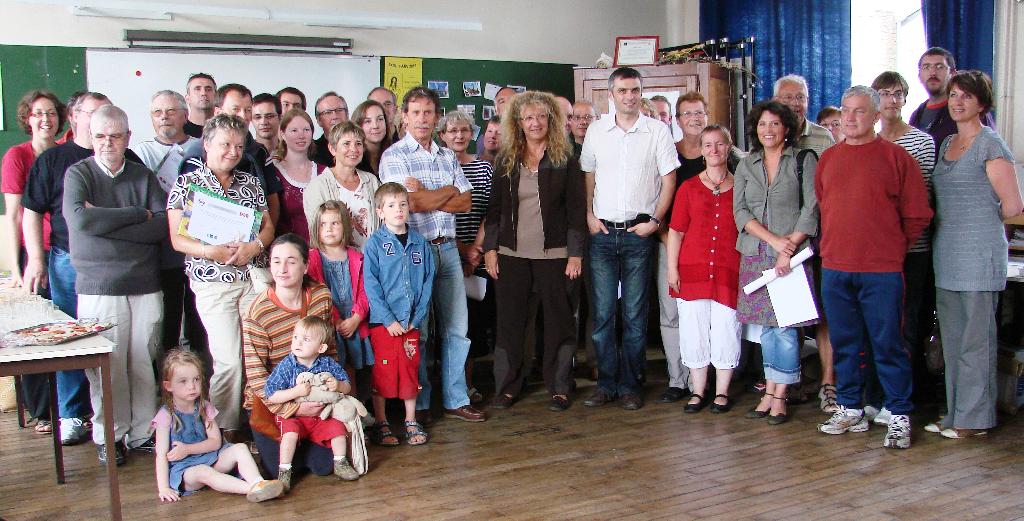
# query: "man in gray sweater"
[116,221]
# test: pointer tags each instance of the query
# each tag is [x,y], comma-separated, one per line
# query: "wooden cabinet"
[709,79]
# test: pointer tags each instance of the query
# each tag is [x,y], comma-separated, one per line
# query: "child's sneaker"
[266,489]
[898,436]
[285,477]
[883,417]
[843,420]
[344,470]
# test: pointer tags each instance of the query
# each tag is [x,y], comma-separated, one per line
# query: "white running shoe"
[844,420]
[883,417]
[870,412]
[72,431]
[898,436]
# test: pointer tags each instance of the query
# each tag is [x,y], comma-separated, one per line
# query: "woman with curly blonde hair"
[535,231]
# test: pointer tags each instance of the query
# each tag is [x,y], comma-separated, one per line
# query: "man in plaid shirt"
[437,190]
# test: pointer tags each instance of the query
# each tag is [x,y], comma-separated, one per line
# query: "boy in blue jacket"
[398,271]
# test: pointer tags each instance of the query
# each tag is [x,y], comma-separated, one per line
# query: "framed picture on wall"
[636,50]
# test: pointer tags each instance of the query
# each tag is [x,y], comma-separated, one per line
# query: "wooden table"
[86,353]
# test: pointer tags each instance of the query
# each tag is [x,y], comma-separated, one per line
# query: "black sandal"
[417,430]
[725,407]
[754,414]
[381,434]
[779,419]
[695,407]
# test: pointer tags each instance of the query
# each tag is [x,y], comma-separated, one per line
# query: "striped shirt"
[479,174]
[433,168]
[921,147]
[267,339]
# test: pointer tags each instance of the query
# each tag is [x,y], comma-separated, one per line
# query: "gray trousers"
[967,322]
[668,318]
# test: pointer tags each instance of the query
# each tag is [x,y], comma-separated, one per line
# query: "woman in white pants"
[703,273]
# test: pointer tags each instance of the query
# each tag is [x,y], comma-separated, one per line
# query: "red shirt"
[708,260]
[14,174]
[873,203]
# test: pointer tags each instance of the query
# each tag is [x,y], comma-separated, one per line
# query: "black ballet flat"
[726,407]
[695,407]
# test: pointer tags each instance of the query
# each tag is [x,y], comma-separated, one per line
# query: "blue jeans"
[72,386]
[865,310]
[451,320]
[780,354]
[620,256]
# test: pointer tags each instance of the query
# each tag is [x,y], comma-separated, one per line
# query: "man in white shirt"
[163,154]
[630,165]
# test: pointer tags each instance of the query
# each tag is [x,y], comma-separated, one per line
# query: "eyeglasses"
[333,112]
[800,98]
[41,114]
[833,124]
[582,118]
[169,112]
[939,67]
[531,119]
[894,94]
[686,114]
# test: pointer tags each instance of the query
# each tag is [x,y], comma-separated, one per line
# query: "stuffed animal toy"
[346,409]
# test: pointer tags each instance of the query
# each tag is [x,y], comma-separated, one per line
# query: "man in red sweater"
[874,205]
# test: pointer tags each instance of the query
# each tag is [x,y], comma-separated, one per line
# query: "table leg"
[108,433]
[58,450]
[19,396]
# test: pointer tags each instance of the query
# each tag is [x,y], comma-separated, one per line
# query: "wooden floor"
[529,463]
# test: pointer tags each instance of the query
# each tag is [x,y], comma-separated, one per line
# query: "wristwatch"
[655,220]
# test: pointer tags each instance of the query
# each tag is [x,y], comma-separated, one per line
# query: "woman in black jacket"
[535,232]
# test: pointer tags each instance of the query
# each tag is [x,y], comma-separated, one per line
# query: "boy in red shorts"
[309,342]
[398,271]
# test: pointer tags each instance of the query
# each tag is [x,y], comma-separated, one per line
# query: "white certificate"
[639,50]
[215,220]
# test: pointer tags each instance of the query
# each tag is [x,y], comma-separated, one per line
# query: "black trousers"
[35,388]
[180,315]
[517,278]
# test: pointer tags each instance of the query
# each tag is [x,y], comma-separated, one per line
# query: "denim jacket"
[398,281]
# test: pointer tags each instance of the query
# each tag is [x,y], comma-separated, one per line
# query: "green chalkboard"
[59,69]
[555,78]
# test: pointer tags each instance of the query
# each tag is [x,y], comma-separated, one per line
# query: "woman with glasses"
[40,115]
[830,118]
[918,277]
[535,234]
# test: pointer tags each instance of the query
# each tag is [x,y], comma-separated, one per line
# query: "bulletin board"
[555,78]
[24,68]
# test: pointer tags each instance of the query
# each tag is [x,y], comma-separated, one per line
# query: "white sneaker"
[898,436]
[844,420]
[72,431]
[871,412]
[883,417]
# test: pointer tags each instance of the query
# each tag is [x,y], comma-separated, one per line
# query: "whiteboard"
[130,77]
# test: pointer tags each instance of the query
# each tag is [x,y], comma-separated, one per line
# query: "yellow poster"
[402,74]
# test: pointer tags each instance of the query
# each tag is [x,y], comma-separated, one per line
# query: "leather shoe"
[465,413]
[559,403]
[632,401]
[695,407]
[597,399]
[501,401]
[673,394]
[120,455]
[716,408]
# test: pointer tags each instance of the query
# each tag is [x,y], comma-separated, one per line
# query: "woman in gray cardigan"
[975,190]
[776,211]
[343,182]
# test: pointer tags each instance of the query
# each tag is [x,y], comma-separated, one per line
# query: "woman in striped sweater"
[267,335]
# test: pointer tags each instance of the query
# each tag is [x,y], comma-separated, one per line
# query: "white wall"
[560,31]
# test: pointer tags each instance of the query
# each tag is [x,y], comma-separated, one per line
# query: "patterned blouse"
[245,190]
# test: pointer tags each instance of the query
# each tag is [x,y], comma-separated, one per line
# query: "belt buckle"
[620,225]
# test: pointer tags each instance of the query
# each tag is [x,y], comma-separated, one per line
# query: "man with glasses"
[331,109]
[582,115]
[935,67]
[791,90]
[266,120]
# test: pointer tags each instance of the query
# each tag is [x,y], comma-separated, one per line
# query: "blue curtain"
[805,37]
[964,28]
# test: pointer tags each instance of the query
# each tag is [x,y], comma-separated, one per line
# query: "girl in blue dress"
[190,454]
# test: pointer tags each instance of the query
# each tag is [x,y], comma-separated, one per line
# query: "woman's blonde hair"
[174,359]
[346,223]
[513,139]
[287,118]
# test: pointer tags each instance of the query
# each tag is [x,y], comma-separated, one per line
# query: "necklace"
[717,189]
[967,141]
